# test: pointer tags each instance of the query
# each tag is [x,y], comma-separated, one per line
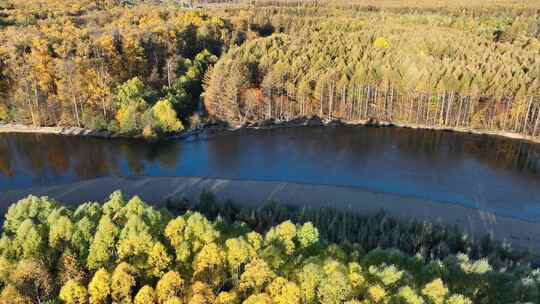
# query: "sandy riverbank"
[71,131]
[158,190]
[212,130]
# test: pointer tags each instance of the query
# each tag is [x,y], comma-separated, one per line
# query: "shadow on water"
[489,173]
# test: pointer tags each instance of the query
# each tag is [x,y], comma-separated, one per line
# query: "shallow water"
[490,173]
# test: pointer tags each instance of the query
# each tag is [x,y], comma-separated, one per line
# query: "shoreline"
[521,234]
[212,130]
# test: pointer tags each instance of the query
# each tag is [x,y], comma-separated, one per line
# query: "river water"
[485,172]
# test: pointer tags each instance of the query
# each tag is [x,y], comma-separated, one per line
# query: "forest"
[156,68]
[100,65]
[126,251]
[141,67]
[461,69]
[427,241]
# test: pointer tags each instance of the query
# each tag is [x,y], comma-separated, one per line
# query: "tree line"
[126,251]
[364,232]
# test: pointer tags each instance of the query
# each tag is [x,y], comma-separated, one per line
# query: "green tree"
[408,296]
[189,233]
[135,243]
[334,287]
[115,203]
[388,275]
[83,233]
[60,232]
[30,208]
[307,235]
[29,242]
[131,91]
[101,253]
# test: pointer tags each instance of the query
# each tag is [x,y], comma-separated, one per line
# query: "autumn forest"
[126,251]
[160,69]
[157,68]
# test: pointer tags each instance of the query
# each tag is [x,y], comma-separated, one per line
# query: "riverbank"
[316,121]
[161,190]
[69,131]
[209,130]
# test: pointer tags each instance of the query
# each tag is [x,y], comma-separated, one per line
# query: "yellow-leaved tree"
[99,287]
[73,293]
[435,291]
[167,120]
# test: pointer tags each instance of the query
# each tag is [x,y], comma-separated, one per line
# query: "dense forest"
[460,69]
[138,66]
[128,252]
[99,65]
[156,67]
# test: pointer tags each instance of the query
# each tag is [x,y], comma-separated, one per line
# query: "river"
[494,174]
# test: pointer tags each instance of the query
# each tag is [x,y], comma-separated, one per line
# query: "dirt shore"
[72,131]
[158,190]
[212,130]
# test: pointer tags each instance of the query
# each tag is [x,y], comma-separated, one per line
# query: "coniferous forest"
[125,251]
[468,69]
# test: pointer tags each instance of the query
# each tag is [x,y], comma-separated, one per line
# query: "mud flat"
[519,233]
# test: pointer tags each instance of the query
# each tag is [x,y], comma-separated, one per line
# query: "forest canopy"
[420,68]
[106,64]
[97,65]
[126,251]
